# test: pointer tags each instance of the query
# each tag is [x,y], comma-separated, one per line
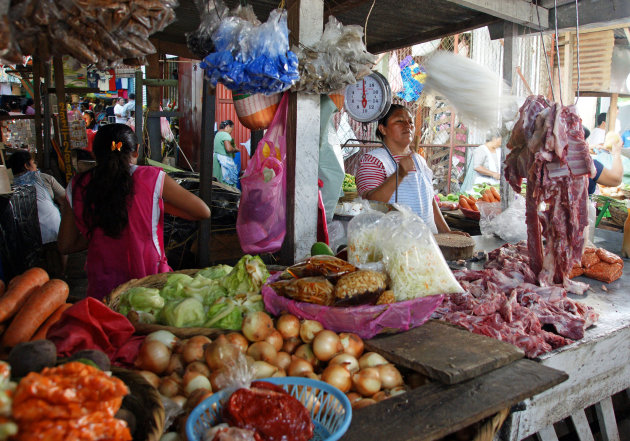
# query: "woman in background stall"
[223,166]
[116,211]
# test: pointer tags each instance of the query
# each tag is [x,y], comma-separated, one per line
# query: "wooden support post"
[37,98]
[566,74]
[306,22]
[582,428]
[205,169]
[154,98]
[612,112]
[47,116]
[139,91]
[64,127]
[607,422]
[547,434]
[507,194]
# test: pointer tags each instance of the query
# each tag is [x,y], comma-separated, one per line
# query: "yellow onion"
[380,395]
[288,325]
[196,397]
[257,326]
[263,369]
[283,360]
[353,397]
[169,387]
[371,359]
[338,376]
[367,381]
[326,345]
[168,338]
[264,351]
[180,400]
[151,378]
[198,366]
[352,344]
[309,329]
[238,340]
[299,367]
[220,352]
[390,376]
[194,347]
[193,381]
[363,402]
[275,340]
[291,344]
[398,390]
[280,373]
[153,356]
[305,352]
[347,361]
[175,364]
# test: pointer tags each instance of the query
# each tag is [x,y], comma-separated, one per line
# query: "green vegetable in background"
[183,313]
[349,183]
[141,299]
[215,272]
[225,315]
[248,275]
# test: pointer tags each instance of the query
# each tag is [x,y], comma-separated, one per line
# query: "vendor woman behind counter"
[376,177]
[116,211]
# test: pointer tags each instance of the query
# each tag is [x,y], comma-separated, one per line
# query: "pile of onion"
[193,368]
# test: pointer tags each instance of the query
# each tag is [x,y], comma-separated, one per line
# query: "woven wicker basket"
[618,215]
[157,281]
[144,402]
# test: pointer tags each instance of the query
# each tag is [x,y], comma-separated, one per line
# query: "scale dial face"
[368,99]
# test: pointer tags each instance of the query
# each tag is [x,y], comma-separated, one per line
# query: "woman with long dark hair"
[116,211]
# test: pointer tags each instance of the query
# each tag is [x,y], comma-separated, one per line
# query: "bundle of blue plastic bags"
[251,57]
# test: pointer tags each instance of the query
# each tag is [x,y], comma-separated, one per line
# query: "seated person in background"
[608,176]
[596,137]
[487,161]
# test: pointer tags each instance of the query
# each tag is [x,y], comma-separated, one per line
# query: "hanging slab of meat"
[547,148]
[271,412]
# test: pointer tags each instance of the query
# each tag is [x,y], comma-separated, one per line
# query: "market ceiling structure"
[394,24]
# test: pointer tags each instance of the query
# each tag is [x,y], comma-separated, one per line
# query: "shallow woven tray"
[157,281]
[144,402]
[617,215]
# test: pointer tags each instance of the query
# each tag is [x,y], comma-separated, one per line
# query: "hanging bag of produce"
[255,111]
[261,222]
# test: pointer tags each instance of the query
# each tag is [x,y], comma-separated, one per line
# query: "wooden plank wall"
[596,50]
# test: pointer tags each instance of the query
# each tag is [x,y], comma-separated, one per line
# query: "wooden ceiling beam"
[467,25]
[516,11]
[341,6]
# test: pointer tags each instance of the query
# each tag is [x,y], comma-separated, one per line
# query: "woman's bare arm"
[180,202]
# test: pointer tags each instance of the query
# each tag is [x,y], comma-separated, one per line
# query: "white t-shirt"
[485,158]
[128,108]
[597,136]
[119,110]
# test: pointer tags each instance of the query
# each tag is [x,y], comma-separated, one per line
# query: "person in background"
[116,211]
[625,138]
[597,136]
[90,127]
[223,166]
[119,111]
[48,192]
[129,107]
[608,176]
[487,161]
[29,109]
[376,177]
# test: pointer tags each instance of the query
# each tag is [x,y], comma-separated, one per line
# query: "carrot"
[471,200]
[473,206]
[20,288]
[486,198]
[37,308]
[2,287]
[464,203]
[54,318]
[496,194]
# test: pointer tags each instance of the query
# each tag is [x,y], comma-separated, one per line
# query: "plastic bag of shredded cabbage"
[363,233]
[412,258]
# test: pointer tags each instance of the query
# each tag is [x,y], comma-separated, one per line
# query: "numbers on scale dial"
[366,97]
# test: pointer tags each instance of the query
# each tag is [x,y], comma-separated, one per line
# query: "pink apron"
[139,251]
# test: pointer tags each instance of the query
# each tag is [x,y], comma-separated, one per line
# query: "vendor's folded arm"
[385,191]
[180,202]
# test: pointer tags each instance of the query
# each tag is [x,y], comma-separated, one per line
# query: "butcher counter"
[476,379]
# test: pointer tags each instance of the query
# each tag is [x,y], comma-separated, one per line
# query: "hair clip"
[116,146]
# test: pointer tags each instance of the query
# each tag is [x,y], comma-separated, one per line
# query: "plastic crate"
[329,408]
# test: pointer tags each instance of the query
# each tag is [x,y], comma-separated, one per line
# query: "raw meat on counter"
[502,301]
[547,148]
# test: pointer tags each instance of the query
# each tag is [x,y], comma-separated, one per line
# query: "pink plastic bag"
[261,222]
[364,320]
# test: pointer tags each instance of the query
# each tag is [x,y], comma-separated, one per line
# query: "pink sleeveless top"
[139,251]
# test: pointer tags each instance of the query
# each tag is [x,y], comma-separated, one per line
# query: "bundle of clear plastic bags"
[211,12]
[337,60]
[251,57]
[509,225]
[403,244]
